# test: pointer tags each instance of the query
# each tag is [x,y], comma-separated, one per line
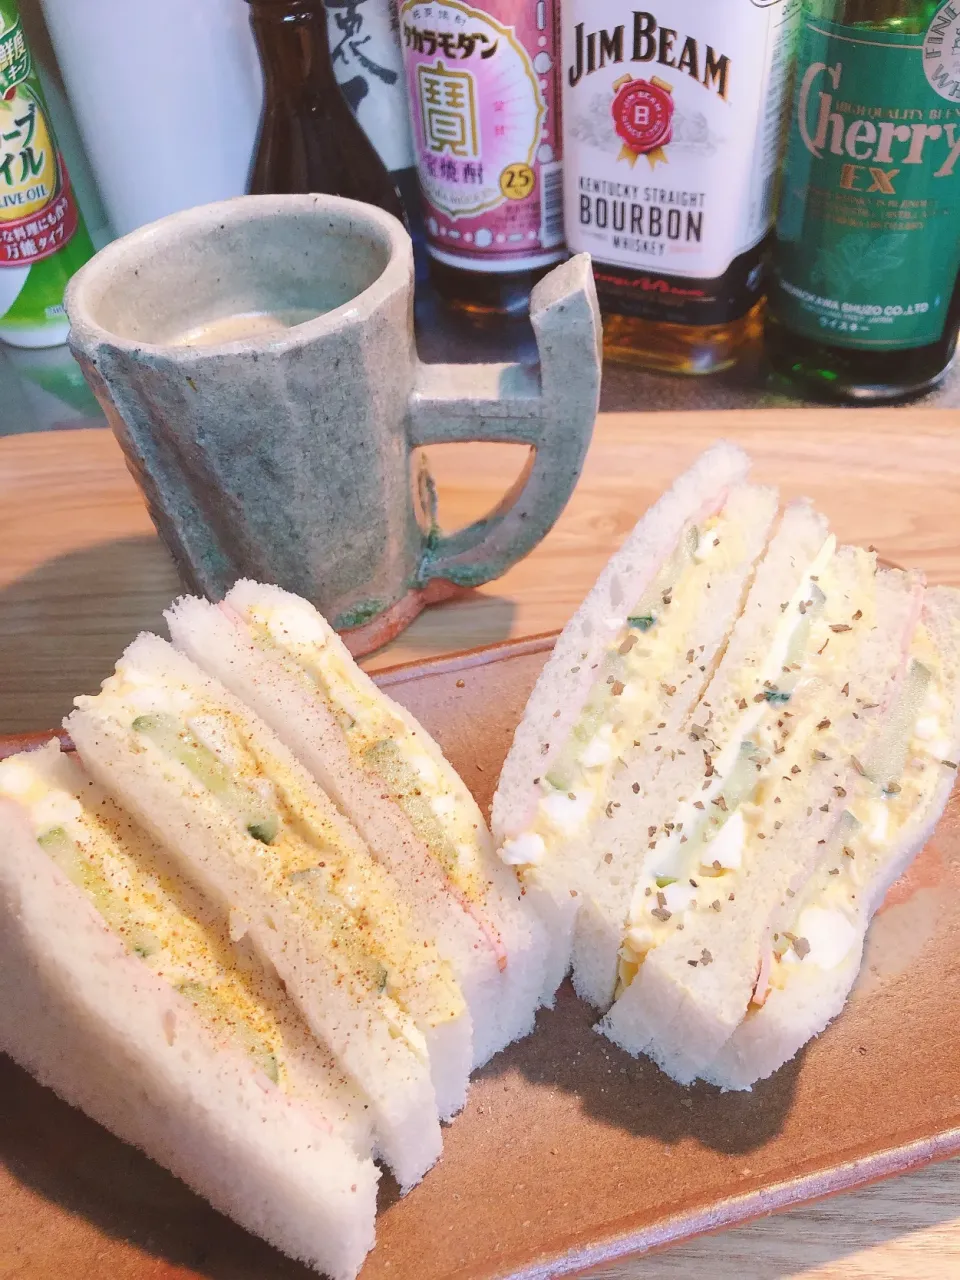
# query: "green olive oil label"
[868,235]
[43,239]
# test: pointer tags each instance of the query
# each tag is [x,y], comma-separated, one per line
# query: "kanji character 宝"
[448,110]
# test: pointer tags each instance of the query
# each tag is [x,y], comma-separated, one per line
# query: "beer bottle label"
[484,108]
[673,119]
[868,236]
[38,211]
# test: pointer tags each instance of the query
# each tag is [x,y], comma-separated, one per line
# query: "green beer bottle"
[43,239]
[865,295]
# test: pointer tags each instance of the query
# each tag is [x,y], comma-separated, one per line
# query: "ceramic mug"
[256,361]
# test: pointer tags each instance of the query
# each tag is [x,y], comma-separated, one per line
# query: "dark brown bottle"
[309,140]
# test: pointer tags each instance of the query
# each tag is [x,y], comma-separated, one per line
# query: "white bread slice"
[693,989]
[595,625]
[556,884]
[518,931]
[397,1073]
[476,934]
[91,1022]
[625,836]
[812,996]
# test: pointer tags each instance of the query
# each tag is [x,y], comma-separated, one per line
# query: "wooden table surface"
[81,572]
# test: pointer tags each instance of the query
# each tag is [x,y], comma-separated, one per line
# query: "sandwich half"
[736,825]
[631,663]
[896,798]
[277,654]
[120,990]
[210,781]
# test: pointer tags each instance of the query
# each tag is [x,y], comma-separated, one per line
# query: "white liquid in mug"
[238,328]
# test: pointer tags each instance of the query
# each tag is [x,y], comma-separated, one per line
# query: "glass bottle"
[673,124]
[309,140]
[865,296]
[483,80]
[43,238]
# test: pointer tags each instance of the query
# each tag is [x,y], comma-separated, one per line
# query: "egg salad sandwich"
[741,739]
[382,769]
[812,954]
[208,779]
[737,824]
[625,675]
[121,990]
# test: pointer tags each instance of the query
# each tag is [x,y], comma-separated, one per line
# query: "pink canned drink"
[484,90]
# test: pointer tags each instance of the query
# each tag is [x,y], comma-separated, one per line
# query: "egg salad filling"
[151,912]
[756,760]
[380,740]
[895,782]
[303,856]
[635,681]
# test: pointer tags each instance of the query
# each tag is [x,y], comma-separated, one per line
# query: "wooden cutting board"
[82,571]
[568,1152]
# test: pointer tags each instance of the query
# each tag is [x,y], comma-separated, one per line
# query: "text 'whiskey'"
[672,123]
[865,298]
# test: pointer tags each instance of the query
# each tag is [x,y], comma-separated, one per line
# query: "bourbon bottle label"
[673,125]
[483,85]
[868,237]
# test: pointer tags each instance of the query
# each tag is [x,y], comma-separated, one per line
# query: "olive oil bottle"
[865,300]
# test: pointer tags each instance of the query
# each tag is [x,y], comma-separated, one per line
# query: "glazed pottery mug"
[256,361]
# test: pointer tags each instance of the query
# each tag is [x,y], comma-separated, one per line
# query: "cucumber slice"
[886,763]
[65,852]
[386,760]
[220,1017]
[264,829]
[177,741]
[561,776]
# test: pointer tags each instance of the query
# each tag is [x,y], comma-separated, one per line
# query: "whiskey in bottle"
[673,120]
[865,295]
[309,140]
[484,96]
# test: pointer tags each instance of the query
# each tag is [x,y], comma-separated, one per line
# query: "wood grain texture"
[81,571]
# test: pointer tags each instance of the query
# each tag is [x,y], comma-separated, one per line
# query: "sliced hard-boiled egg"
[829,936]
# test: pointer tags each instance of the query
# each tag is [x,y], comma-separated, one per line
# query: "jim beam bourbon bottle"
[673,118]
[483,82]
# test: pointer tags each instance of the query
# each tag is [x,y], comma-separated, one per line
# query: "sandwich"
[741,739]
[629,666]
[121,990]
[276,653]
[811,960]
[208,780]
[738,822]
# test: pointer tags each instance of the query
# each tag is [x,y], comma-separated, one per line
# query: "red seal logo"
[643,116]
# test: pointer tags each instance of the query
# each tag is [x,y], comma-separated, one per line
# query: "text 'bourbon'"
[673,123]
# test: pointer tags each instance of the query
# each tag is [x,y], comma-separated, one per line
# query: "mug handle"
[552,409]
